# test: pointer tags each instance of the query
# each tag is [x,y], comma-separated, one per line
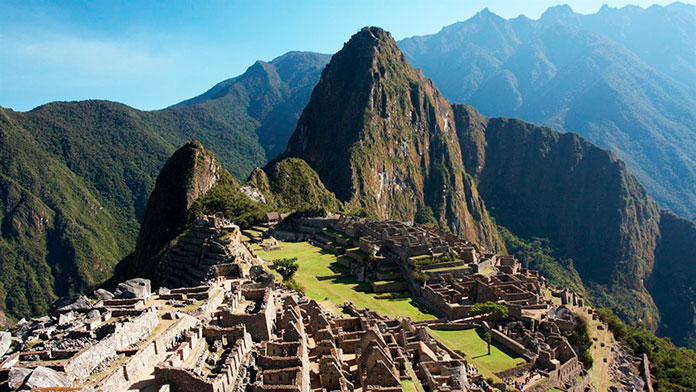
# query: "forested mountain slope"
[75,177]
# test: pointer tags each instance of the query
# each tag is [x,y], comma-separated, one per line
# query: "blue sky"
[152,54]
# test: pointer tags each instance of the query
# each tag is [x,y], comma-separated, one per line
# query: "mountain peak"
[485,13]
[369,42]
[557,13]
[374,32]
[189,173]
[381,137]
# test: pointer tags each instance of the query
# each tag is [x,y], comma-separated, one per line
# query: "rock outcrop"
[187,175]
[5,342]
[43,377]
[133,288]
[16,377]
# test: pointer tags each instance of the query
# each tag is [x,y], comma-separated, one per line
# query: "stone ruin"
[226,325]
[210,241]
[315,350]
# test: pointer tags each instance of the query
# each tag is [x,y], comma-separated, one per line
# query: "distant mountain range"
[623,78]
[75,177]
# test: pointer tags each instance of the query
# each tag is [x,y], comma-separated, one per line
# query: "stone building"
[253,308]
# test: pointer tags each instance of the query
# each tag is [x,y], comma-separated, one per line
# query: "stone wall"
[181,380]
[217,297]
[146,358]
[133,331]
[125,374]
[451,311]
[566,374]
[399,285]
[260,324]
[512,345]
[454,326]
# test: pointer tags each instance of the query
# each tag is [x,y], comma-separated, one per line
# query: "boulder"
[5,342]
[133,288]
[163,291]
[103,295]
[66,318]
[16,377]
[81,304]
[43,377]
[94,315]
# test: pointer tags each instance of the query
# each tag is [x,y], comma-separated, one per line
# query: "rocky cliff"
[382,138]
[672,281]
[188,174]
[540,182]
[632,257]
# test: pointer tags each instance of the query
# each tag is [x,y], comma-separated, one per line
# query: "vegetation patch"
[673,367]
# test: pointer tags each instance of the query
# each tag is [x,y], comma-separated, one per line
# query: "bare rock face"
[187,175]
[133,288]
[43,377]
[17,376]
[93,316]
[5,342]
[103,294]
[66,318]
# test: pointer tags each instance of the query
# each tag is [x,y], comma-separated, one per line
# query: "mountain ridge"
[554,71]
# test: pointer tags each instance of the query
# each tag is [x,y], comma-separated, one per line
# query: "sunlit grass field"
[333,292]
[471,343]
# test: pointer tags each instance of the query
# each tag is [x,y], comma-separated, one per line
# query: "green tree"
[579,338]
[491,311]
[425,216]
[420,277]
[672,366]
[286,267]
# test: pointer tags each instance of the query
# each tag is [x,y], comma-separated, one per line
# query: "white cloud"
[84,55]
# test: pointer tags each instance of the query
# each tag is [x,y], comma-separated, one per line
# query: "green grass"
[408,386]
[470,342]
[455,268]
[314,262]
[412,385]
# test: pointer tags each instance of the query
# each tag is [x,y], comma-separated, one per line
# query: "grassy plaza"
[333,292]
